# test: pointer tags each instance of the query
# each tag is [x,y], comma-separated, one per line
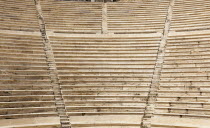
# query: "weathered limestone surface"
[137,17]
[72,17]
[25,87]
[154,86]
[191,15]
[37,122]
[184,86]
[18,15]
[24,77]
[177,122]
[53,74]
[104,65]
[100,75]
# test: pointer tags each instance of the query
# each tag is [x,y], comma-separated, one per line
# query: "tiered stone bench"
[100,75]
[72,17]
[25,87]
[18,15]
[184,87]
[136,17]
[37,122]
[104,65]
[190,15]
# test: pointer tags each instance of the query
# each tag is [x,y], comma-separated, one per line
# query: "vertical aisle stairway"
[133,64]
[105,80]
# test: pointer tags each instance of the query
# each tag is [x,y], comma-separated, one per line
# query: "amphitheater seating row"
[137,17]
[122,17]
[105,75]
[72,17]
[18,15]
[184,87]
[25,86]
[190,15]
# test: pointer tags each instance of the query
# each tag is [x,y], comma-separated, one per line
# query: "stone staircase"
[26,92]
[134,64]
[100,78]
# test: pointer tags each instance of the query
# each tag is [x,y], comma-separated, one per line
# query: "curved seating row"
[105,76]
[25,86]
[72,17]
[184,84]
[190,15]
[18,15]
[137,17]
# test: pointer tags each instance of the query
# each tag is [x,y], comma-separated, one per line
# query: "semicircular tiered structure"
[125,64]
